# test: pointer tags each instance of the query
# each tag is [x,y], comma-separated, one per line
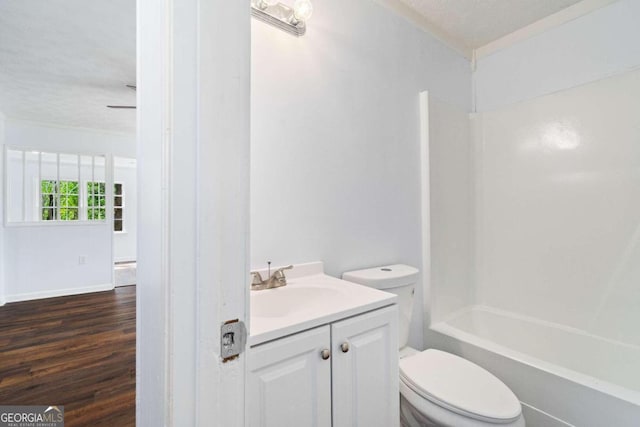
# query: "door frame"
[193,79]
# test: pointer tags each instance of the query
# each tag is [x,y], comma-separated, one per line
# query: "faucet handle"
[279,276]
[280,272]
[256,278]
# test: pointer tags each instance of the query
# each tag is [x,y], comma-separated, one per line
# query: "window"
[59,200]
[96,201]
[52,187]
[49,197]
[118,207]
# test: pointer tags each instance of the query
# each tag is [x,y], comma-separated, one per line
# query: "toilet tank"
[398,279]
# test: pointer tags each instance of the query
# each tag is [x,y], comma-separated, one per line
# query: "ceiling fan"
[124,107]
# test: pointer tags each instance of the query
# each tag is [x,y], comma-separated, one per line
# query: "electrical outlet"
[82,260]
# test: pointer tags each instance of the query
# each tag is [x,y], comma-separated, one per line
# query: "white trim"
[193,208]
[425,198]
[109,203]
[56,223]
[2,208]
[5,181]
[222,194]
[57,187]
[26,148]
[423,23]
[24,183]
[37,194]
[153,397]
[545,24]
[58,293]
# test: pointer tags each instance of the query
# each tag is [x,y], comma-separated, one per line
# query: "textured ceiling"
[63,61]
[474,23]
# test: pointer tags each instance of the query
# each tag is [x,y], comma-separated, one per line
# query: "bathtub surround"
[554,291]
[567,166]
[554,218]
[32,270]
[335,137]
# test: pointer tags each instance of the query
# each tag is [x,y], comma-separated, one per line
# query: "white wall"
[125,243]
[335,137]
[43,260]
[451,210]
[597,45]
[559,208]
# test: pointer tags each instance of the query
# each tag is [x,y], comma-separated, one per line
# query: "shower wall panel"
[558,208]
[451,200]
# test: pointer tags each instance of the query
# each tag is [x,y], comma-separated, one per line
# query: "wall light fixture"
[290,19]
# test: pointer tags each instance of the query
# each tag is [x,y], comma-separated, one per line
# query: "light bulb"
[302,10]
[263,4]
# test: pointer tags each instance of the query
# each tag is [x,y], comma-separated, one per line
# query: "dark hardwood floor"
[76,351]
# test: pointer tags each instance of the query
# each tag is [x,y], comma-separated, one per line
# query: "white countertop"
[310,299]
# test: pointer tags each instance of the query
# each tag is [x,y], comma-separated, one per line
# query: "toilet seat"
[416,411]
[459,386]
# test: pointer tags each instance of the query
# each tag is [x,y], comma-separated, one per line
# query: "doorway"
[125,213]
[68,336]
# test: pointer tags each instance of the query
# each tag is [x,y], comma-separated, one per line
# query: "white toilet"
[439,388]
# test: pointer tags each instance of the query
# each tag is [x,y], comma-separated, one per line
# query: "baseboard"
[58,293]
[534,417]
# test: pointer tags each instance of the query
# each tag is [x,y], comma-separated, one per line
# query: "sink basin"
[289,299]
[310,299]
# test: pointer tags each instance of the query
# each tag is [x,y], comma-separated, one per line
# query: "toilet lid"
[459,385]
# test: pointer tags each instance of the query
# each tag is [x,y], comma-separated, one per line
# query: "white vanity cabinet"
[288,381]
[342,374]
[364,374]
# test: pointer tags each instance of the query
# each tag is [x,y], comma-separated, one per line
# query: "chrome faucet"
[275,280]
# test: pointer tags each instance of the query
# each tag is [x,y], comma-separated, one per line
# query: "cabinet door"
[289,383]
[365,375]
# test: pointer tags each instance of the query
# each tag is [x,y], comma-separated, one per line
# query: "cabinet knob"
[325,354]
[344,347]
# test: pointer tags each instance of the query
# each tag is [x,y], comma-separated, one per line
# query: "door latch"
[233,339]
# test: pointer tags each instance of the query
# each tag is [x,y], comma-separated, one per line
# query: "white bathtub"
[562,376]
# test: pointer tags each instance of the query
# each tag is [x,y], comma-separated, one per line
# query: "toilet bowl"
[439,388]
[442,389]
